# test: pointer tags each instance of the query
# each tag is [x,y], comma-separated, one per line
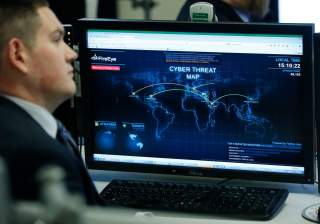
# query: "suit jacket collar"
[39,114]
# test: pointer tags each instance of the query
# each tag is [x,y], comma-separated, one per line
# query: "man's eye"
[57,39]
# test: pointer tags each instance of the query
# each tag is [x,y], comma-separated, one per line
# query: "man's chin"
[67,95]
[71,93]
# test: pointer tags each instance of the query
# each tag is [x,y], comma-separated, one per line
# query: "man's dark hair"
[19,18]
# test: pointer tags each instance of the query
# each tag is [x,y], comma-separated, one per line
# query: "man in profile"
[36,76]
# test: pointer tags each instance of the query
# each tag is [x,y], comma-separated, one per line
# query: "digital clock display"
[288,65]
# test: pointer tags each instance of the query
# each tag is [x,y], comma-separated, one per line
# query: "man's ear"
[18,55]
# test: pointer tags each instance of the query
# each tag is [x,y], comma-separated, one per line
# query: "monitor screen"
[297,11]
[218,100]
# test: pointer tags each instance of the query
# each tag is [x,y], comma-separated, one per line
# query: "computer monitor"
[213,100]
[297,11]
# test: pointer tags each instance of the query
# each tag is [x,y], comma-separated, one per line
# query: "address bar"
[192,44]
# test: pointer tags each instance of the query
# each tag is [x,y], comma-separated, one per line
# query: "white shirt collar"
[42,116]
[245,16]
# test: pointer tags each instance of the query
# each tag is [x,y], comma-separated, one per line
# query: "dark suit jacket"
[224,12]
[26,147]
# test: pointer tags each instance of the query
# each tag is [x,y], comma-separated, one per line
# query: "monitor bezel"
[249,28]
[316,42]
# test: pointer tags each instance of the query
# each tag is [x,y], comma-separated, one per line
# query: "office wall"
[164,10]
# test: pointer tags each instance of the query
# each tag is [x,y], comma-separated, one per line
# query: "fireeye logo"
[105,59]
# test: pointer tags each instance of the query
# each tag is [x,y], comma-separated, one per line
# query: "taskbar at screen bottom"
[200,164]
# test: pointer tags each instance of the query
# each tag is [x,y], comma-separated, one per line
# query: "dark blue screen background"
[197,105]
